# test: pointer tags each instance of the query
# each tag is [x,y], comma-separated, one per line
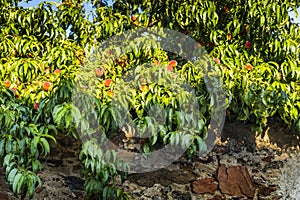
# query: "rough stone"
[236,181]
[218,197]
[181,195]
[163,176]
[266,190]
[200,168]
[206,185]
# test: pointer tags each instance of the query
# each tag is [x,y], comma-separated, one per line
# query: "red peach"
[107,82]
[110,93]
[57,71]
[7,83]
[133,18]
[99,72]
[173,63]
[248,45]
[249,67]
[217,60]
[46,86]
[144,88]
[169,68]
[36,106]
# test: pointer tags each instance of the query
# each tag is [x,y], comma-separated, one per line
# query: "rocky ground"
[240,166]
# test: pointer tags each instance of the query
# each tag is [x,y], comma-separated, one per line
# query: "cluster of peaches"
[108,82]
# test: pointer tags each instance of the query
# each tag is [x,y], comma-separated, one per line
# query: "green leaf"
[12,175]
[16,183]
[33,146]
[31,186]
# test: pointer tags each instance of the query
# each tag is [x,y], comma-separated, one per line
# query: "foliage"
[255,46]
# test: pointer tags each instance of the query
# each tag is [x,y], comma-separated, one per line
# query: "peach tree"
[254,44]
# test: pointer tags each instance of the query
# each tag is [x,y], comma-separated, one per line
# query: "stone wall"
[239,167]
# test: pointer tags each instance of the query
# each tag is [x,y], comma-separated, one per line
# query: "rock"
[54,162]
[235,181]
[206,185]
[167,189]
[181,195]
[181,176]
[201,169]
[228,160]
[266,190]
[218,197]
[162,176]
[74,183]
[156,197]
[155,190]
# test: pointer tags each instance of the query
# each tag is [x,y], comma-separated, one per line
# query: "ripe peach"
[110,93]
[169,68]
[173,63]
[99,72]
[7,83]
[217,60]
[107,82]
[133,18]
[46,86]
[144,88]
[36,106]
[57,71]
[249,67]
[248,45]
